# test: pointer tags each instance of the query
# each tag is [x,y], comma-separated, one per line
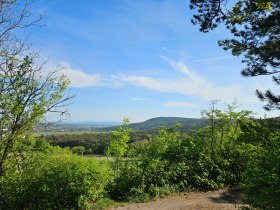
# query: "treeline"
[93,143]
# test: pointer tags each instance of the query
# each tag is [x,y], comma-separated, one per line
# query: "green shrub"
[169,162]
[213,157]
[262,174]
[57,181]
[128,183]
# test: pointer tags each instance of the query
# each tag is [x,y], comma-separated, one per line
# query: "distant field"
[99,157]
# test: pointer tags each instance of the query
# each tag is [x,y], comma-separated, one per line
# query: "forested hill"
[158,122]
[148,125]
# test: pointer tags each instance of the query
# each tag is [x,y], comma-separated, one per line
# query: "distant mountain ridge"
[152,124]
[148,125]
[158,122]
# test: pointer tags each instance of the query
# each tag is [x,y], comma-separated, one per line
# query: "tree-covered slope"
[159,122]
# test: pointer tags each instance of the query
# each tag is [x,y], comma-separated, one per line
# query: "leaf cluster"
[26,96]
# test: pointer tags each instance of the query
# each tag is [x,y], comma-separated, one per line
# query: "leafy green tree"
[118,145]
[78,150]
[120,137]
[222,136]
[256,30]
[26,96]
[26,92]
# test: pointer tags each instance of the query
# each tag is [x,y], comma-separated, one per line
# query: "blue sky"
[140,59]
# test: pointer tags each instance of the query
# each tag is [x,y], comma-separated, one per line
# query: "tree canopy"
[255,26]
[27,92]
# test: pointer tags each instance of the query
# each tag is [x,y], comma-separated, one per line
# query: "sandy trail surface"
[224,199]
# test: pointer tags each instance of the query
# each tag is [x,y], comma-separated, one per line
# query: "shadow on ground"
[234,196]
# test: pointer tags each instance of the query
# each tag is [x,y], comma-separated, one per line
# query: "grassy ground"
[100,157]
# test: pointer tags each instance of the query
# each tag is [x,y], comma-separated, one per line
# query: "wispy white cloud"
[80,79]
[183,68]
[188,83]
[213,59]
[180,104]
[168,50]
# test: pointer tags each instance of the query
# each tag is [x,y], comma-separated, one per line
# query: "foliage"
[262,177]
[120,137]
[78,150]
[57,181]
[128,182]
[94,143]
[168,162]
[171,160]
[105,203]
[221,137]
[255,27]
[118,145]
[26,94]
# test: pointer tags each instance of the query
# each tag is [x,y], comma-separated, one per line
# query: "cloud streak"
[80,79]
[188,83]
[213,59]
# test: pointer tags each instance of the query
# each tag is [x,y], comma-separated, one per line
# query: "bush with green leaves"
[262,174]
[128,183]
[170,160]
[221,138]
[53,181]
[135,176]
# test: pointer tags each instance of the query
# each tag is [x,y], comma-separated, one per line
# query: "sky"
[140,59]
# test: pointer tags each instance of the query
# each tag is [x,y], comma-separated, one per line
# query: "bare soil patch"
[224,199]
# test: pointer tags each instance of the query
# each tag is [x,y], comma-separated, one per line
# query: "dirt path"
[225,199]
